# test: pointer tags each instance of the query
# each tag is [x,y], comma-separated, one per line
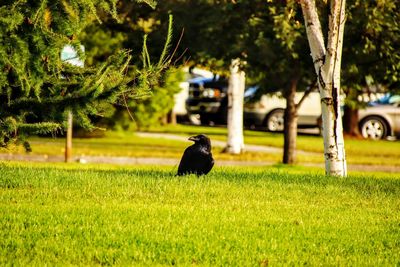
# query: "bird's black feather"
[197,158]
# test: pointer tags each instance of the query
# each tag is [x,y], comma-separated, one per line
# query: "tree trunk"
[350,121]
[327,67]
[290,130]
[68,139]
[172,117]
[235,143]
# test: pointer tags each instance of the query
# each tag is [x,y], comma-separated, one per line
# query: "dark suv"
[208,98]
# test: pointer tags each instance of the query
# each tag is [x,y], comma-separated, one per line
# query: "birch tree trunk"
[235,143]
[327,67]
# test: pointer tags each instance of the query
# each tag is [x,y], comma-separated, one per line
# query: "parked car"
[381,118]
[208,99]
[180,98]
[268,111]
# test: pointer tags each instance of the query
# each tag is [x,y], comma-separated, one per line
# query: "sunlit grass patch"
[129,144]
[88,215]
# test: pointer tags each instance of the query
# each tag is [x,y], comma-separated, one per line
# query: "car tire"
[374,128]
[205,119]
[223,114]
[275,121]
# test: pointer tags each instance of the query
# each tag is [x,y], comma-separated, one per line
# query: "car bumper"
[253,118]
[202,107]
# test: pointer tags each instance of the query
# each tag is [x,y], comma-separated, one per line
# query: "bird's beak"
[193,138]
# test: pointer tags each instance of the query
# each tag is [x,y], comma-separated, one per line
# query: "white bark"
[235,143]
[327,67]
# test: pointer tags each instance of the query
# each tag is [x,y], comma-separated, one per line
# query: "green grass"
[104,215]
[358,151]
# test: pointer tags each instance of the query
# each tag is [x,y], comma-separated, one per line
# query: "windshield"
[250,91]
[388,99]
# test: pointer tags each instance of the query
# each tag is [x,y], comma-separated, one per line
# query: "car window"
[250,91]
[394,99]
[384,100]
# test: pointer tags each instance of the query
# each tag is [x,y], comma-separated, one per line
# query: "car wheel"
[374,128]
[205,119]
[275,121]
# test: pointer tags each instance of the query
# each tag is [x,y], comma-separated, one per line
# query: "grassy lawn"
[305,142]
[103,215]
[359,151]
[128,144]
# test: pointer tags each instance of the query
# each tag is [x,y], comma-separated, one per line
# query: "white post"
[235,142]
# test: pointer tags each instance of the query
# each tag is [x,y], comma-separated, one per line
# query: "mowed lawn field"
[130,144]
[56,214]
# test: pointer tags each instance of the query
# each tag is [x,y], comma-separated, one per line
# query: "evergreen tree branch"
[167,44]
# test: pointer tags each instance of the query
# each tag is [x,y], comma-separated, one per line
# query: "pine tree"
[38,89]
[101,39]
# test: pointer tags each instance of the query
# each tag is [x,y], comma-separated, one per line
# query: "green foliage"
[286,39]
[100,43]
[288,29]
[268,35]
[154,87]
[149,111]
[151,3]
[57,215]
[149,76]
[36,87]
[371,52]
[163,58]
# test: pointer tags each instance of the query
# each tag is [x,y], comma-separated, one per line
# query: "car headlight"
[211,92]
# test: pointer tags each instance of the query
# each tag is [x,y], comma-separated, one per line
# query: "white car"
[268,111]
[381,118]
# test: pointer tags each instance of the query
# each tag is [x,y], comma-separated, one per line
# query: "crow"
[197,158]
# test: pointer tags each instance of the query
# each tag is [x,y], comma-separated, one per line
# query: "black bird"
[197,158]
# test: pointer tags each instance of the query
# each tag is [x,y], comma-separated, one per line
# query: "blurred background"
[187,94]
